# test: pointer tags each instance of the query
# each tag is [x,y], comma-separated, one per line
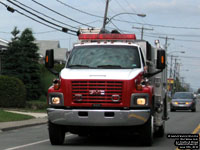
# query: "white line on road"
[31,144]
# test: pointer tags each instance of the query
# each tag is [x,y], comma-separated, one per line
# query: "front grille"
[96,91]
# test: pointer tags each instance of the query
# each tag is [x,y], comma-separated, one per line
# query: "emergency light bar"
[107,37]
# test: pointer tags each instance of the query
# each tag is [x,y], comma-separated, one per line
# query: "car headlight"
[187,103]
[175,103]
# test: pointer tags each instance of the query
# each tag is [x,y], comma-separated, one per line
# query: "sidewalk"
[39,118]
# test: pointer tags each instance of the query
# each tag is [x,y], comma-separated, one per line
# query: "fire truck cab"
[111,84]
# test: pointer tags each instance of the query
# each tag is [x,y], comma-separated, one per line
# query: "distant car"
[183,101]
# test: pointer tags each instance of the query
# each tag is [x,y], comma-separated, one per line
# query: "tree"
[21,61]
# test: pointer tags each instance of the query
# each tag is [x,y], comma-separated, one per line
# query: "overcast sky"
[178,19]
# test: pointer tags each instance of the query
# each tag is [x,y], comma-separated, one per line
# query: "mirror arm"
[53,71]
[148,75]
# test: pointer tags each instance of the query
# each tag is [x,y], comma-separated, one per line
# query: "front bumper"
[181,106]
[90,117]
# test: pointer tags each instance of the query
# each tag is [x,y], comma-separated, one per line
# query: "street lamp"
[107,20]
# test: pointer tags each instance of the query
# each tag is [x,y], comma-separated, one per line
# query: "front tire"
[147,132]
[194,109]
[161,131]
[172,110]
[56,134]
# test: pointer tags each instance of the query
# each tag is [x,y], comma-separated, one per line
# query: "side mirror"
[161,59]
[49,59]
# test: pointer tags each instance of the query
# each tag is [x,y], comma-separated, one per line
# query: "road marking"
[31,144]
[196,130]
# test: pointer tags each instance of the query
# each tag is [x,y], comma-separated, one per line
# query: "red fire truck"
[111,84]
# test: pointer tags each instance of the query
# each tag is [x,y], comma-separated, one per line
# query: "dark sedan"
[183,101]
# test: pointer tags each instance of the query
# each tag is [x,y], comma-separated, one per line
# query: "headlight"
[55,100]
[141,101]
[175,103]
[187,103]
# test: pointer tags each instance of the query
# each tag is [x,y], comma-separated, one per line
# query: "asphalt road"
[36,138]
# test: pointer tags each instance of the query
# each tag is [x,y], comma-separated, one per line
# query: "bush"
[12,92]
[36,105]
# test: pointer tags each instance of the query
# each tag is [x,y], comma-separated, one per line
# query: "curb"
[7,126]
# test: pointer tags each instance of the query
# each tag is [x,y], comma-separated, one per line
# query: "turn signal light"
[138,86]
[56,84]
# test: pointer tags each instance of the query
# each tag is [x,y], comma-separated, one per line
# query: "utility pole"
[142,30]
[175,66]
[166,41]
[170,75]
[105,14]
[0,64]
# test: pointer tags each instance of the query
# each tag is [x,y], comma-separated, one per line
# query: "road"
[36,138]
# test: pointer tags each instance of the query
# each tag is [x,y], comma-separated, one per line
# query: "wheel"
[172,110]
[148,131]
[194,109]
[161,131]
[56,134]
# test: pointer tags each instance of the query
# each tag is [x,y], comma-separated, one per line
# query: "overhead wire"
[64,29]
[44,14]
[125,10]
[156,25]
[15,10]
[84,12]
[170,34]
[61,14]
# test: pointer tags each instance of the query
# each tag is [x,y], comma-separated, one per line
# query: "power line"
[64,29]
[142,30]
[116,27]
[13,10]
[44,14]
[163,26]
[193,57]
[130,6]
[187,40]
[61,14]
[43,32]
[170,34]
[84,12]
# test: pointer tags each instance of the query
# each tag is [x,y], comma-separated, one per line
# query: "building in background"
[60,54]
[3,45]
[3,48]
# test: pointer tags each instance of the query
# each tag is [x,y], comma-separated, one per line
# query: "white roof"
[3,42]
[59,53]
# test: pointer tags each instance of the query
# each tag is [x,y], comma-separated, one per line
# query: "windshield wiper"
[109,66]
[79,66]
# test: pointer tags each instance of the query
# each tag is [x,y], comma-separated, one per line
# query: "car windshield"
[183,96]
[104,56]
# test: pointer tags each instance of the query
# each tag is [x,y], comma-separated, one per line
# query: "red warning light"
[107,37]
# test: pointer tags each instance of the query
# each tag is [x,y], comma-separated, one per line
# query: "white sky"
[178,13]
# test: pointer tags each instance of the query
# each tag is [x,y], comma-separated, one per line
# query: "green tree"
[21,61]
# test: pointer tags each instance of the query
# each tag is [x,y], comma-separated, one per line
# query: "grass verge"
[8,116]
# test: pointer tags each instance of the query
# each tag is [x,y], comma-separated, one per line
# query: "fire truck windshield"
[104,57]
